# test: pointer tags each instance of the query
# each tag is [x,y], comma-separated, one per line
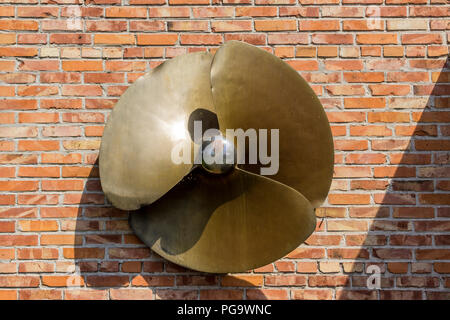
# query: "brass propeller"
[230,220]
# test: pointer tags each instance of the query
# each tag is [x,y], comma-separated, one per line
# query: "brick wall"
[379,67]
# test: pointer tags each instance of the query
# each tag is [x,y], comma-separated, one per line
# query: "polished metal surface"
[151,118]
[225,223]
[254,89]
[218,155]
[218,217]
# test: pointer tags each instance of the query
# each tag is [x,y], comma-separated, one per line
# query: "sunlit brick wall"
[379,68]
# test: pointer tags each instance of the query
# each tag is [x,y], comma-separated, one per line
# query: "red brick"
[371,38]
[400,295]
[131,294]
[428,11]
[143,26]
[18,240]
[327,281]
[21,104]
[287,38]
[363,77]
[352,172]
[38,172]
[231,26]
[156,39]
[38,254]
[114,39]
[267,294]
[83,253]
[126,12]
[256,12]
[40,294]
[19,281]
[319,25]
[7,199]
[60,77]
[86,294]
[72,38]
[36,117]
[157,281]
[18,185]
[87,65]
[242,280]
[7,226]
[422,145]
[12,24]
[113,25]
[363,25]
[60,25]
[128,253]
[342,12]
[421,39]
[38,199]
[62,281]
[31,38]
[18,52]
[356,294]
[332,39]
[200,39]
[18,159]
[174,12]
[7,38]
[310,294]
[285,280]
[222,294]
[349,198]
[350,145]
[82,90]
[389,90]
[193,2]
[304,65]
[338,65]
[38,145]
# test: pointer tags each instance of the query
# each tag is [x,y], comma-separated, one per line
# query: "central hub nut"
[218,155]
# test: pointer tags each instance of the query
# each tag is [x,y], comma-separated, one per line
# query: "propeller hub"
[218,155]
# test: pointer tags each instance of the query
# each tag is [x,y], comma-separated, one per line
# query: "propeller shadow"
[156,222]
[108,256]
[402,237]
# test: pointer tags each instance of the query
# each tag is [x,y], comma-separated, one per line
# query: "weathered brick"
[378,68]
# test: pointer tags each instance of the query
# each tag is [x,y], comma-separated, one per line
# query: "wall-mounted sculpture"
[218,217]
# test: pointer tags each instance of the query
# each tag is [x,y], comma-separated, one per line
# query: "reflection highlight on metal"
[218,218]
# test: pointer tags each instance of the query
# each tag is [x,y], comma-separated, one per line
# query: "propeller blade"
[150,119]
[252,88]
[225,223]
